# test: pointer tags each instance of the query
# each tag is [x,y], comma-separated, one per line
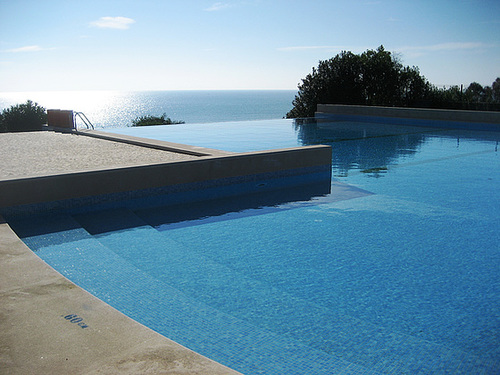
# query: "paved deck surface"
[34,154]
[35,336]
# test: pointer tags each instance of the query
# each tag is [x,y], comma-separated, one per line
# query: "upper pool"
[236,136]
[395,271]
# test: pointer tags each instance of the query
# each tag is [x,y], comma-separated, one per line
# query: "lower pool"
[395,271]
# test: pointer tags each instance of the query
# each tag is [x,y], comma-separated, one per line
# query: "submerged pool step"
[110,277]
[79,256]
[189,321]
[264,307]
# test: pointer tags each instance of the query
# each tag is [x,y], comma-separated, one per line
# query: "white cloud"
[27,49]
[217,6]
[120,23]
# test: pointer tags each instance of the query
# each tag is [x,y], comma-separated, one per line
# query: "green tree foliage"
[475,93]
[380,74]
[154,120]
[23,117]
[338,80]
[474,97]
[495,91]
[413,88]
[377,77]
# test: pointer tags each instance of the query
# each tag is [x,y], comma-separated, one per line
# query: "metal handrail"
[85,120]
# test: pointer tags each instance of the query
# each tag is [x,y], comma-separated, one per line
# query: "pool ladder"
[85,120]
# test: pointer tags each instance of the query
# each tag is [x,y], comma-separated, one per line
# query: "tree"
[376,77]
[495,88]
[475,93]
[488,94]
[449,98]
[414,88]
[380,77]
[337,80]
[23,117]
[154,120]
[475,97]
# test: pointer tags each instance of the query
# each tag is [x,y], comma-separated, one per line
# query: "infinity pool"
[396,271]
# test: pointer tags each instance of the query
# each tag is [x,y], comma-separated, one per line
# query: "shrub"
[154,120]
[23,117]
[375,77]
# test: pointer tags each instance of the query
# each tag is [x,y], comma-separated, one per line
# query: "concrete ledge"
[36,338]
[152,143]
[437,117]
[76,185]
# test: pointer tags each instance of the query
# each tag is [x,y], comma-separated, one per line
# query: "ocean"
[107,109]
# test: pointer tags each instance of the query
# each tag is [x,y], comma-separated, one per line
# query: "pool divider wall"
[62,191]
[443,118]
[153,143]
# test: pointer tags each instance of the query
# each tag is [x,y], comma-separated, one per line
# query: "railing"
[85,120]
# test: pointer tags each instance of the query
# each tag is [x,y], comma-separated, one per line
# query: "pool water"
[395,271]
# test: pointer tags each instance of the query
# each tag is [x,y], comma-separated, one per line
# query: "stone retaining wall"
[479,120]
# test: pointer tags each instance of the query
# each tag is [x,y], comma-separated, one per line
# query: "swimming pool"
[395,271]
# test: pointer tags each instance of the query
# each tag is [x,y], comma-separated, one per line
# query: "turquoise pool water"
[395,271]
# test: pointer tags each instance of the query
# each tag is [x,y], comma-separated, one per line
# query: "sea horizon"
[118,108]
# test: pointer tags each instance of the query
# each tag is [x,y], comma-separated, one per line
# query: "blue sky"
[235,44]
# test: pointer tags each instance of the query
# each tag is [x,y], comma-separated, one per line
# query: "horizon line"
[138,90]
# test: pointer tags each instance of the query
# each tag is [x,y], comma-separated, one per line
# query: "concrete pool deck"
[48,324]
